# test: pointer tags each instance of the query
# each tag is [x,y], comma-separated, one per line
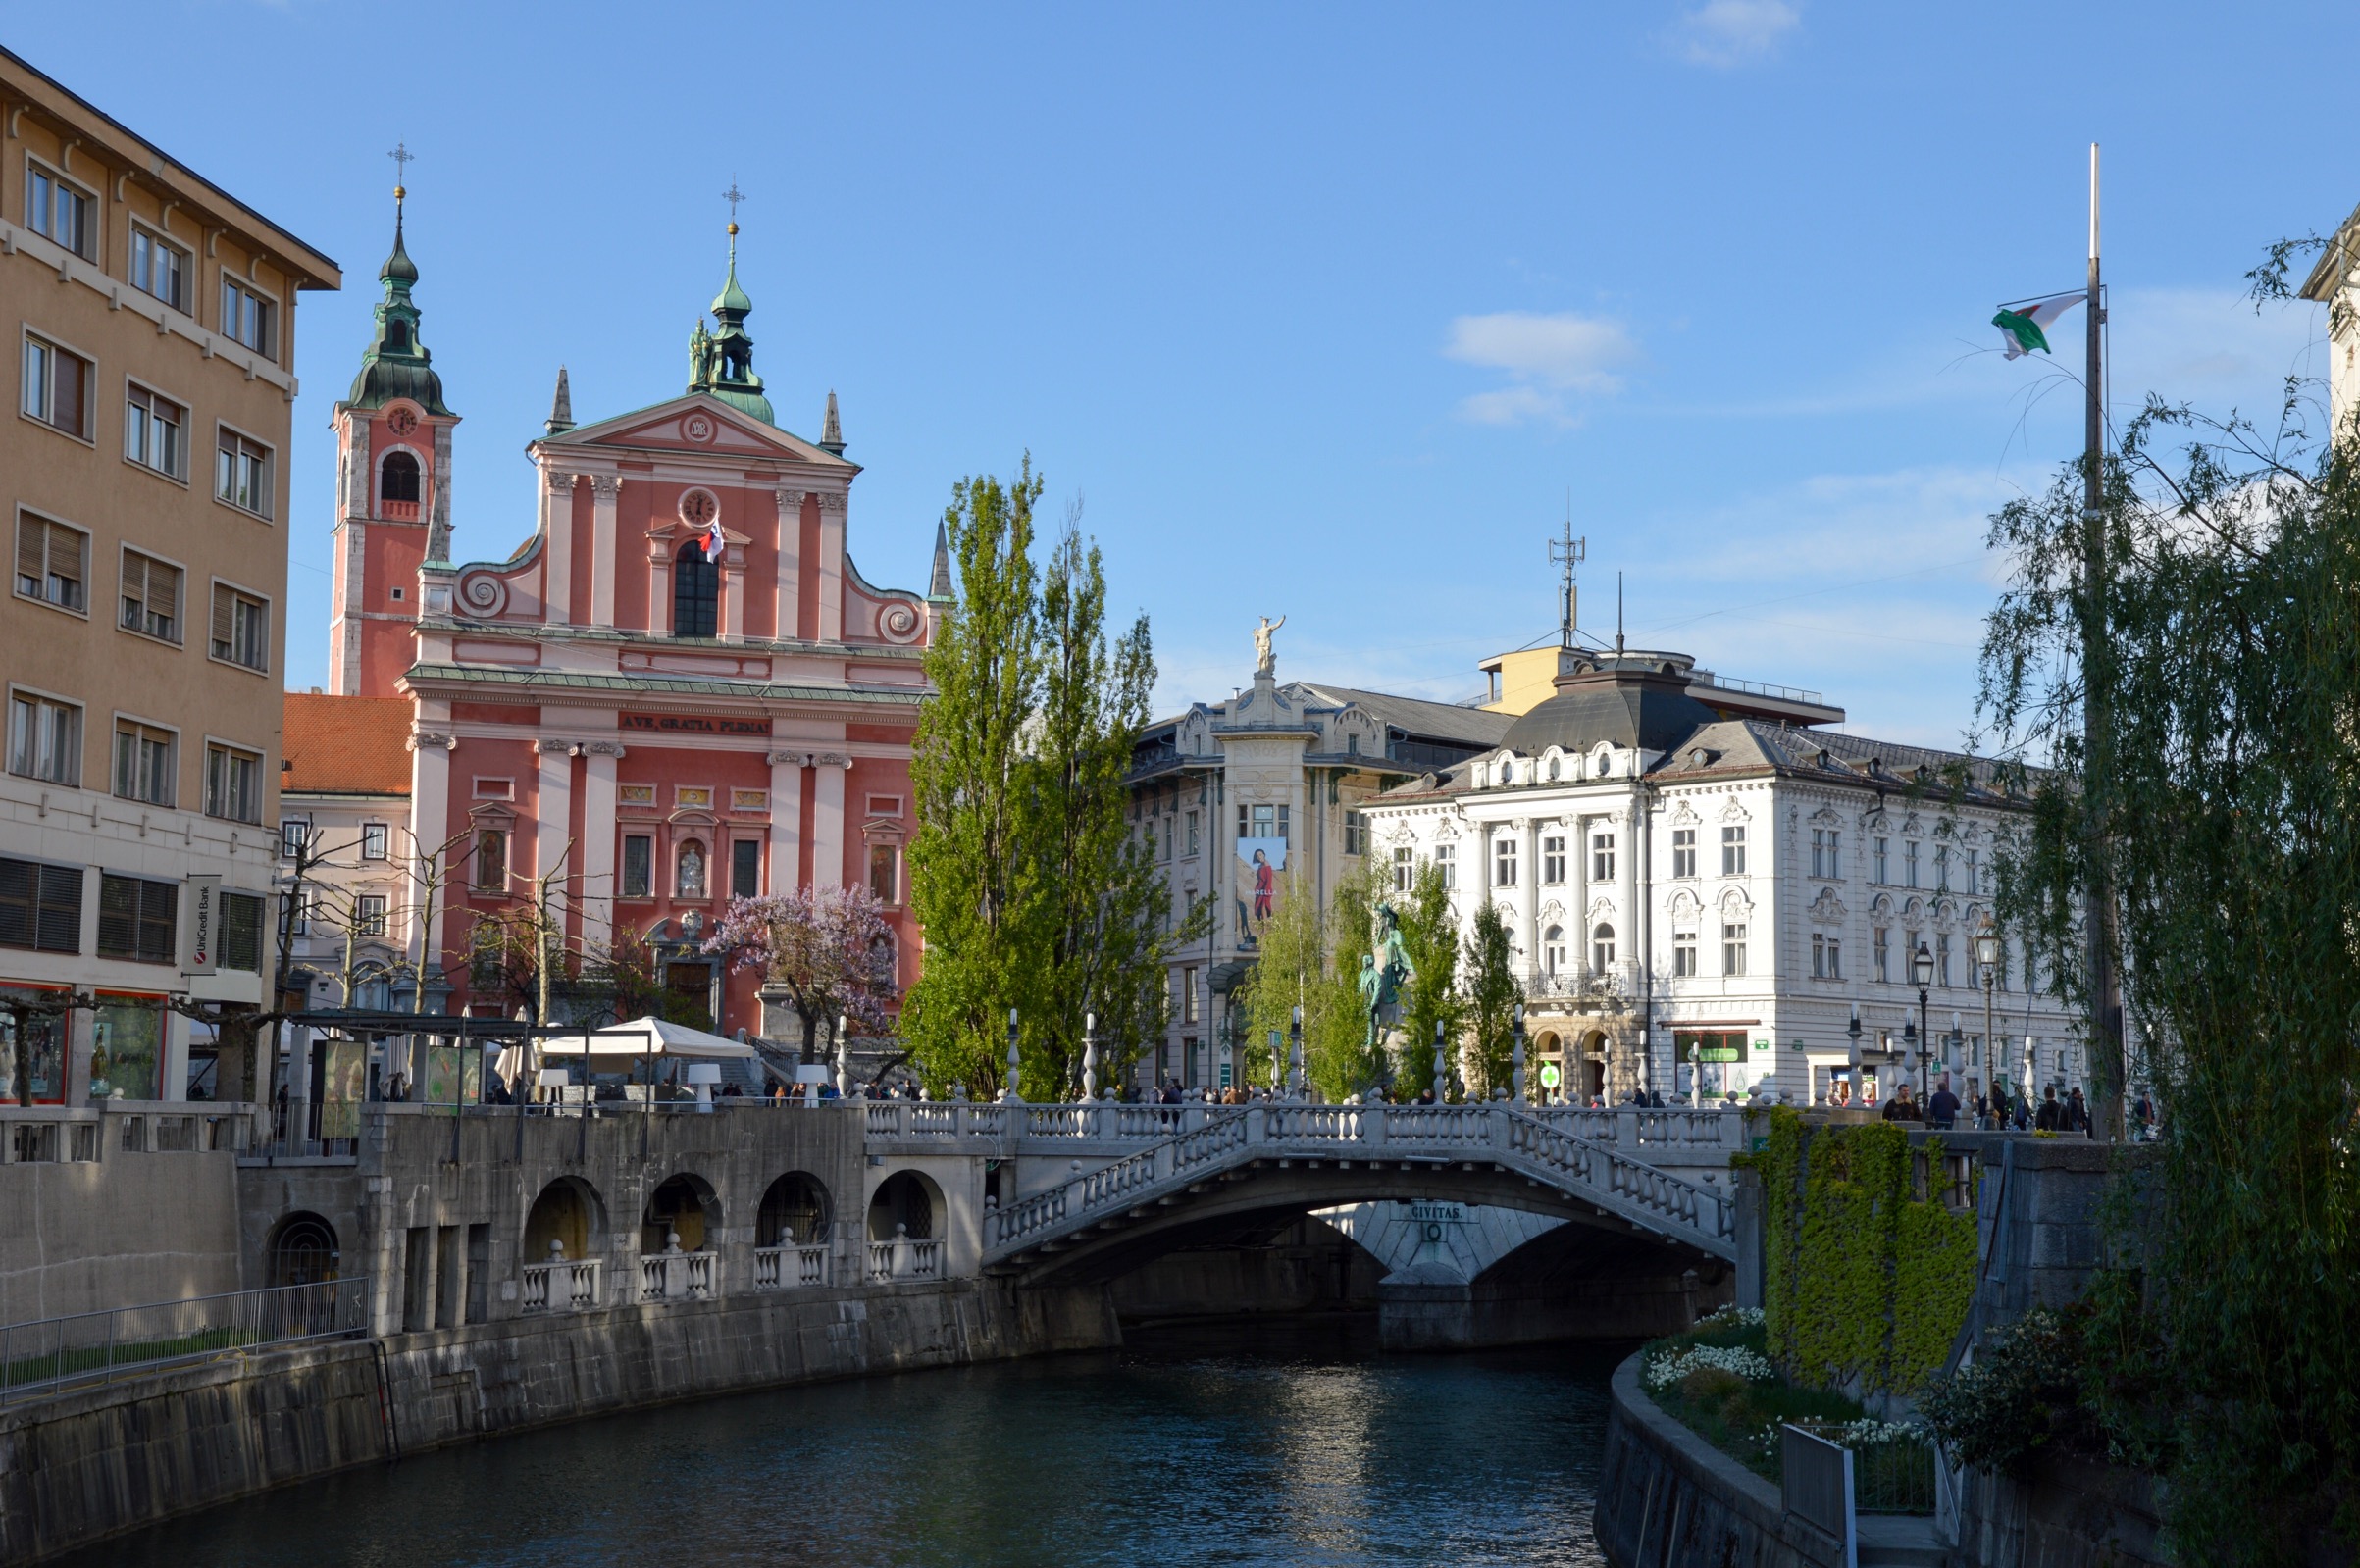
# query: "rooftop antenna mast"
[1565,554]
[1617,615]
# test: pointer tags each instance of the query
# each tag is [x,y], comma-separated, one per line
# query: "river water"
[1295,1446]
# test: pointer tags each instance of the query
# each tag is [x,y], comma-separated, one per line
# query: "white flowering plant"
[1672,1366]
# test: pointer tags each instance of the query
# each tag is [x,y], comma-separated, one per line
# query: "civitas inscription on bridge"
[1092,1187]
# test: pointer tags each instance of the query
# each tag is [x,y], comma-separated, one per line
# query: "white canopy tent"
[612,1046]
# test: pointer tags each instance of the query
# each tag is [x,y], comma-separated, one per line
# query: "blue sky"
[1322,311]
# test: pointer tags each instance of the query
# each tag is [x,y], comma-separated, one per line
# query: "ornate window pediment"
[1684,815]
[1734,902]
[1602,908]
[1827,907]
[1826,816]
[1685,905]
[1732,811]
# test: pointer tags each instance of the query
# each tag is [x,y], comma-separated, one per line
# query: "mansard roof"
[1736,748]
[1627,701]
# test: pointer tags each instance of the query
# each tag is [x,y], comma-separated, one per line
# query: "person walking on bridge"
[1901,1108]
[1942,1106]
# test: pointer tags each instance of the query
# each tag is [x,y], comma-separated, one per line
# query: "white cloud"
[1547,357]
[1726,34]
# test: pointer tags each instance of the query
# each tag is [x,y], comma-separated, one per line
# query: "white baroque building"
[1689,882]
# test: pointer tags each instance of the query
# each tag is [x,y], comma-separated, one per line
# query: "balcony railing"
[678,1277]
[904,1258]
[53,1354]
[790,1265]
[562,1284]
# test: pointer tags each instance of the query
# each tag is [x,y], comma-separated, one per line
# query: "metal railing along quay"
[48,1355]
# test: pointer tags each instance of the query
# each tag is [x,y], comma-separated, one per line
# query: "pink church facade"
[679,689]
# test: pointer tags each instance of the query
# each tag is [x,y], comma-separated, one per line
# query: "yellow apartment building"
[144,483]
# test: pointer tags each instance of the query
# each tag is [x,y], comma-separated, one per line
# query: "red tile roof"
[346,746]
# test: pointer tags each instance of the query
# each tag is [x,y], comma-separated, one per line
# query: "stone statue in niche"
[692,871]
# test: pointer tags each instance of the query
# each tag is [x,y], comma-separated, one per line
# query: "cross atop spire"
[402,158]
[733,196]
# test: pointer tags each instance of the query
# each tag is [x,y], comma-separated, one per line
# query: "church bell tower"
[393,458]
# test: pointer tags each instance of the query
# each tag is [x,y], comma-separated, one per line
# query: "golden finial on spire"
[401,156]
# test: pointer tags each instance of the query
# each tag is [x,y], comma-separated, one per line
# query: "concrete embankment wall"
[1667,1499]
[82,1466]
[120,1229]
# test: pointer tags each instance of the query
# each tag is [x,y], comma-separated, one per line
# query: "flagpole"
[2097,717]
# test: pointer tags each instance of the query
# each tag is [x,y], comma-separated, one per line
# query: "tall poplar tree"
[1034,891]
[1492,989]
[972,875]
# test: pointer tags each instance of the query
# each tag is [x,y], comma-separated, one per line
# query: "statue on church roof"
[1263,660]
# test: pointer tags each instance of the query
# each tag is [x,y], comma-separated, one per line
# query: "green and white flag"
[2024,328]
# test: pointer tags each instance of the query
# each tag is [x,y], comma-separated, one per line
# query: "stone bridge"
[1085,1192]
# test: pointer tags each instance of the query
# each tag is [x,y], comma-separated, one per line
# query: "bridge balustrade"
[787,1266]
[679,1276]
[568,1284]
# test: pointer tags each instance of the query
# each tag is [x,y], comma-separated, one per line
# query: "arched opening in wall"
[397,480]
[303,1251]
[568,1213]
[684,1206]
[795,1211]
[1593,1065]
[906,1204]
[1553,951]
[695,592]
[1548,1051]
[1602,949]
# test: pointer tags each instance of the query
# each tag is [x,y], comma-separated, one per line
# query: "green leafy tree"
[1289,966]
[1106,907]
[2227,625]
[972,880]
[1491,993]
[1034,891]
[1338,1055]
[1430,1000]
[1309,957]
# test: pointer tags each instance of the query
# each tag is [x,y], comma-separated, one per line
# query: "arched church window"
[1602,949]
[397,480]
[695,592]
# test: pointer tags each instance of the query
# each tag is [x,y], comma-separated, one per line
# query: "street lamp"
[1854,1031]
[1986,957]
[1518,1060]
[1294,1056]
[1921,970]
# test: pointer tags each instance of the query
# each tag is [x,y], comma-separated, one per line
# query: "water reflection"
[1191,1447]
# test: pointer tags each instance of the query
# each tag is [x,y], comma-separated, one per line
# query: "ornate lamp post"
[1442,1072]
[1921,970]
[1519,1059]
[1986,957]
[1011,1094]
[1295,1056]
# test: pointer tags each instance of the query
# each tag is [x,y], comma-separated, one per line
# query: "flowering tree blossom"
[828,948]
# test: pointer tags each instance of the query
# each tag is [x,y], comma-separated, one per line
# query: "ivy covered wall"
[1860,1278]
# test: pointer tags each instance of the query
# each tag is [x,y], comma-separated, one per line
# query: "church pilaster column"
[597,854]
[829,773]
[831,566]
[786,820]
[557,545]
[659,590]
[553,815]
[791,563]
[732,591]
[431,827]
[604,488]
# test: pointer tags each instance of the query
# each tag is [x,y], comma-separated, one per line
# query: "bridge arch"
[907,1203]
[303,1249]
[795,1210]
[682,1204]
[568,1212]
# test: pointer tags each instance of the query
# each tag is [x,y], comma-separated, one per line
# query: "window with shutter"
[50,562]
[242,933]
[241,628]
[151,596]
[159,921]
[118,916]
[225,610]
